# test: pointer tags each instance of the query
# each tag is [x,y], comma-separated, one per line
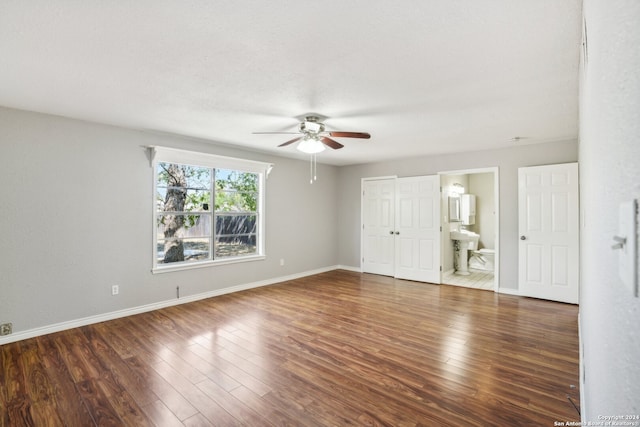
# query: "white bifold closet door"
[401,228]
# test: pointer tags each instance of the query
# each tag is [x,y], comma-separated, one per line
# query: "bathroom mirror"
[454,209]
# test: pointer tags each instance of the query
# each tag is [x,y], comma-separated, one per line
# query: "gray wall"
[76,210]
[508,160]
[75,219]
[609,174]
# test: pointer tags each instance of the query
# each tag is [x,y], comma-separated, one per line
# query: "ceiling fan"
[314,137]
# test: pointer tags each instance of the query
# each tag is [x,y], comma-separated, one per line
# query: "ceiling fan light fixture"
[311,145]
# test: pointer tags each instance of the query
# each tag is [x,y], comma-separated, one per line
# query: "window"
[207,209]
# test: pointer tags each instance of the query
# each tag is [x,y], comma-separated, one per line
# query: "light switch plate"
[627,255]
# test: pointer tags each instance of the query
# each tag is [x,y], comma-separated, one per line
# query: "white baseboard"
[62,326]
[349,268]
[583,409]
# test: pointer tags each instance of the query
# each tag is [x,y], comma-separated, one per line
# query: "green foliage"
[236,191]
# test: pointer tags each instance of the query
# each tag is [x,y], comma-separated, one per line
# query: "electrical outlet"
[115,290]
[6,329]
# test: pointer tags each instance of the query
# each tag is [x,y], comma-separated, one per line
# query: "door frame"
[496,197]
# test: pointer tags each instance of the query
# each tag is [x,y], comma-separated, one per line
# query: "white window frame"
[192,158]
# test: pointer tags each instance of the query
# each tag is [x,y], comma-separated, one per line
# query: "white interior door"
[378,202]
[417,229]
[548,225]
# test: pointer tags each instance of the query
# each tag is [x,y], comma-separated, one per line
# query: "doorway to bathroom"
[470,228]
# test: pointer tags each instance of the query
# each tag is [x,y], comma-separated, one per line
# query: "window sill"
[190,266]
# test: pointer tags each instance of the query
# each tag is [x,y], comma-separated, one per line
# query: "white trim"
[378,178]
[57,327]
[469,171]
[193,158]
[583,409]
[349,268]
[168,268]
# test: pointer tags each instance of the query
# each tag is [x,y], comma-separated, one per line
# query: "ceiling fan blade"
[289,142]
[275,133]
[331,143]
[338,134]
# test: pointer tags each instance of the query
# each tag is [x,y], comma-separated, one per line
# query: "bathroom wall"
[481,184]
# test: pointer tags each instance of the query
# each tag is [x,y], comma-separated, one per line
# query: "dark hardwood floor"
[335,349]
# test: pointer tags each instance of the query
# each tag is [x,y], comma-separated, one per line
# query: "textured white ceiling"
[423,77]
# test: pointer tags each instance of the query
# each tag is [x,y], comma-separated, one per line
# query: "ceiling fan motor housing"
[311,126]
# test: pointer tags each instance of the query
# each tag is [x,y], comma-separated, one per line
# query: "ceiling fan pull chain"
[315,167]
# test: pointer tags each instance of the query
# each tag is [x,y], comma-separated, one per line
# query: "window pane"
[233,246]
[183,250]
[183,238]
[184,226]
[197,200]
[183,188]
[234,224]
[236,191]
[235,235]
[197,177]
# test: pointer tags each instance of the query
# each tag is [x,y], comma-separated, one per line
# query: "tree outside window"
[205,213]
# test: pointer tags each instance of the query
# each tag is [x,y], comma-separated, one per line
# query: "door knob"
[523,237]
[397,232]
[391,232]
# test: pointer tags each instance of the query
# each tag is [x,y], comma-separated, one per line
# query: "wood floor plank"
[68,403]
[241,413]
[168,395]
[337,348]
[160,415]
[117,371]
[99,405]
[206,406]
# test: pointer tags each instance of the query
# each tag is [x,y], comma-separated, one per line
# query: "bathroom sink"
[464,235]
[466,241]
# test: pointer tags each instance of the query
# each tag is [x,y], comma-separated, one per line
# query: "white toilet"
[482,259]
